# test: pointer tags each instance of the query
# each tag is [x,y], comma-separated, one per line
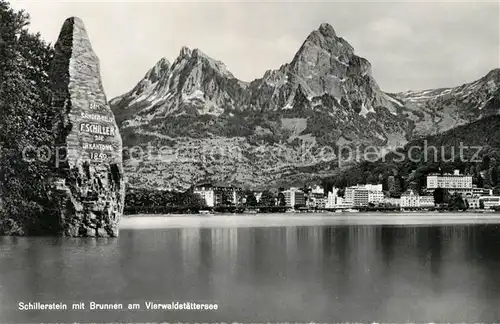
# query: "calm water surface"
[328,271]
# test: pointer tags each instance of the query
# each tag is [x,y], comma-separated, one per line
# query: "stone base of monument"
[90,201]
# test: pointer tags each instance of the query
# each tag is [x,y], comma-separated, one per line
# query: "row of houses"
[361,195]
[355,196]
[373,194]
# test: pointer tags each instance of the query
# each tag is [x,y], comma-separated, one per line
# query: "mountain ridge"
[325,96]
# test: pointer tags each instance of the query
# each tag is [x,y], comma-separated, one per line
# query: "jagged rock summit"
[89,187]
[325,97]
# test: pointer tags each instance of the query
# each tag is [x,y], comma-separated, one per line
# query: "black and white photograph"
[249,161]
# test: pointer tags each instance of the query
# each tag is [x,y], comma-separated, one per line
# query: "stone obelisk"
[89,185]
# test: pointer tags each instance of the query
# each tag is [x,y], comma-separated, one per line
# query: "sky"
[411,45]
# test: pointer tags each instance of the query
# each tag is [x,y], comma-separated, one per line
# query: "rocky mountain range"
[195,121]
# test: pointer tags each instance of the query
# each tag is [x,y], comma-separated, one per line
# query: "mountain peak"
[493,74]
[185,51]
[325,50]
[163,61]
[199,53]
[161,67]
[162,64]
[327,30]
[326,38]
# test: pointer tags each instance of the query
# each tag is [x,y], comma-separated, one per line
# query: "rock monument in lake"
[89,186]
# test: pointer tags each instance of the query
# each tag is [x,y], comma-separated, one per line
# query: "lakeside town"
[449,191]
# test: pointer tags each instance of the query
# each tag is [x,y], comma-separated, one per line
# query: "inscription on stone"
[101,130]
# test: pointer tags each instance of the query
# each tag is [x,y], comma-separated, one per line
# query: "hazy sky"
[411,45]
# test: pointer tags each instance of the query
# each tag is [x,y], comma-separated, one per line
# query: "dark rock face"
[90,186]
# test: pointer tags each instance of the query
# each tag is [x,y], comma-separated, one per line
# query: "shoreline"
[317,213]
[142,221]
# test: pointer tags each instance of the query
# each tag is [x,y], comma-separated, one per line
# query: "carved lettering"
[97,117]
[97,129]
[97,147]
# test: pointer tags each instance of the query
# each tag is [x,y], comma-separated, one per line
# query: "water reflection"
[303,273]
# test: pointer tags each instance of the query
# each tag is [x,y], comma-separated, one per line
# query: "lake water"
[260,268]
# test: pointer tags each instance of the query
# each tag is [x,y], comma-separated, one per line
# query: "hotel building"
[473,202]
[317,198]
[455,182]
[294,196]
[362,195]
[333,199]
[411,199]
[488,202]
[218,195]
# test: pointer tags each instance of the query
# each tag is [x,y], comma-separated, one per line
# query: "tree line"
[143,200]
[26,120]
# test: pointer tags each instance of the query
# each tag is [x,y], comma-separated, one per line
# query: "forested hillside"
[473,149]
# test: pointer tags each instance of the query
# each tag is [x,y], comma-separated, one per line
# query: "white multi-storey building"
[362,195]
[207,193]
[426,201]
[218,195]
[349,195]
[333,199]
[449,181]
[486,202]
[317,202]
[474,202]
[316,197]
[375,196]
[361,198]
[294,196]
[411,199]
